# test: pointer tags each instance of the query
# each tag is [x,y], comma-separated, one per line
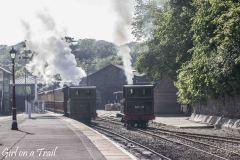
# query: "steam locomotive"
[80,103]
[76,102]
[138,105]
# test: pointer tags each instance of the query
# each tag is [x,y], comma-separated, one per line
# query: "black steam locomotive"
[76,102]
[138,105]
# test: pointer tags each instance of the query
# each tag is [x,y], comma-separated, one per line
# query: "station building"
[5,76]
[165,94]
[25,90]
[107,80]
[165,97]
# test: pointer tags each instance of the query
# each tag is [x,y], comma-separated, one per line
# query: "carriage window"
[148,92]
[131,92]
[144,92]
[88,92]
[77,93]
[139,92]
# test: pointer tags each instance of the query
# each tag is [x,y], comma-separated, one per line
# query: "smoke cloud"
[52,54]
[123,8]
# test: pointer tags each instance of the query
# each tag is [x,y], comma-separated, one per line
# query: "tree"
[105,49]
[167,49]
[214,69]
[93,55]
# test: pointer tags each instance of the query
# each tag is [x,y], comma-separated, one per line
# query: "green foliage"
[91,48]
[214,69]
[135,50]
[167,48]
[102,62]
[92,54]
[6,62]
[194,42]
[105,49]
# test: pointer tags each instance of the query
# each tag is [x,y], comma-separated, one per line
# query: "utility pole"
[27,55]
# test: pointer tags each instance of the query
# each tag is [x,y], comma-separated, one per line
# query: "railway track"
[192,141]
[202,136]
[104,130]
[193,146]
[194,135]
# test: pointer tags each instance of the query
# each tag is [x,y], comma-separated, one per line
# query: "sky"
[76,18]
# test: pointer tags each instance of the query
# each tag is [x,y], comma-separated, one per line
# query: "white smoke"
[124,52]
[52,54]
[123,8]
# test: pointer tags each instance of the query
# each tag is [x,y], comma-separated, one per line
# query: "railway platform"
[52,136]
[178,121]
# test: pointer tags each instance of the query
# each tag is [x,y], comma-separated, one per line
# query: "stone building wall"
[165,98]
[107,80]
[224,106]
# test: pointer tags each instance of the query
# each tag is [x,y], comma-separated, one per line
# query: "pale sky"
[79,18]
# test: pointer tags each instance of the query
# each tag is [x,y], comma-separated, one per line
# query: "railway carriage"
[53,100]
[138,105]
[76,102]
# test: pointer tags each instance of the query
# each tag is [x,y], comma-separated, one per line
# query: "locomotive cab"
[81,103]
[138,105]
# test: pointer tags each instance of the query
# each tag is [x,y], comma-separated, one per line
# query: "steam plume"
[52,55]
[123,9]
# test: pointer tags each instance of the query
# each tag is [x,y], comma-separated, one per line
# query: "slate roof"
[110,65]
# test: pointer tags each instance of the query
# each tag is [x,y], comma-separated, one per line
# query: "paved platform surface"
[54,137]
[178,121]
[103,113]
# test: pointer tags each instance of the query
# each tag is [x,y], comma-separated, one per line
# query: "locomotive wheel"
[144,124]
[140,125]
[129,124]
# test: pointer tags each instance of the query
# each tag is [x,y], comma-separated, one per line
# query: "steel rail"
[178,134]
[155,135]
[203,143]
[203,136]
[138,144]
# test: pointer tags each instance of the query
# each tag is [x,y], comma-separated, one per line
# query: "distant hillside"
[90,54]
[5,59]
[93,55]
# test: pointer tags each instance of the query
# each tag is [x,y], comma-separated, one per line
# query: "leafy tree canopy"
[195,42]
[167,48]
[214,69]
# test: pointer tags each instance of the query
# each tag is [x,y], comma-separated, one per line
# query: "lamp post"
[14,109]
